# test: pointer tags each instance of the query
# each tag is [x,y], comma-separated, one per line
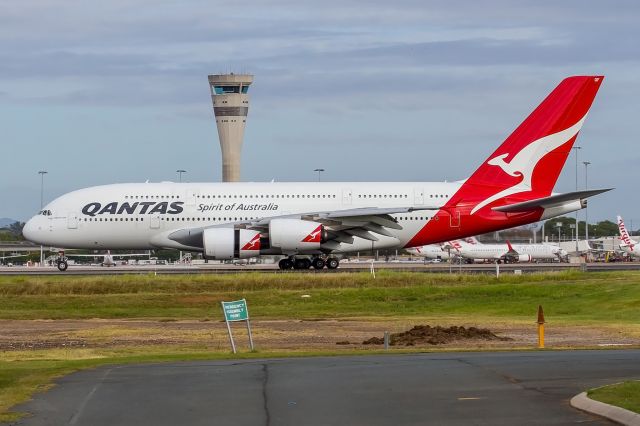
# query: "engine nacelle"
[229,243]
[295,235]
[523,258]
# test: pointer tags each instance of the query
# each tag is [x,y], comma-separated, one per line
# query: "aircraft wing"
[342,225]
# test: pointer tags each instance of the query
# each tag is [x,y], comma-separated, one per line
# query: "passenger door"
[454,219]
[418,196]
[72,221]
[154,222]
[347,196]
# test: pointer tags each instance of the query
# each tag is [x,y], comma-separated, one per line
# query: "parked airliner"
[314,223]
[471,249]
[628,245]
[431,251]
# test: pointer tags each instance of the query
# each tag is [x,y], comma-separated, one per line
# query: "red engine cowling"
[229,243]
[295,235]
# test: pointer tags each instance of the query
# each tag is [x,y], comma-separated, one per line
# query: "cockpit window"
[45,212]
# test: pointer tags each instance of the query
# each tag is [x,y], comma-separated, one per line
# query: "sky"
[105,92]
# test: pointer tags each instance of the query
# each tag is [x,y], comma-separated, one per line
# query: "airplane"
[108,259]
[472,249]
[312,224]
[628,245]
[431,251]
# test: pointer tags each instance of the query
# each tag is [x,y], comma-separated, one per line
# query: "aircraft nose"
[30,230]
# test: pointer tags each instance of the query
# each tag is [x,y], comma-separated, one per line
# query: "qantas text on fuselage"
[512,187]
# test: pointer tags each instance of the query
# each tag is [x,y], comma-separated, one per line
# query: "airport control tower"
[230,106]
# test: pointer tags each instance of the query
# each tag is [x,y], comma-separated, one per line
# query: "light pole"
[319,172]
[576,148]
[586,208]
[42,173]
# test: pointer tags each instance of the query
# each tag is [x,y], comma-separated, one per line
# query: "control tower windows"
[221,90]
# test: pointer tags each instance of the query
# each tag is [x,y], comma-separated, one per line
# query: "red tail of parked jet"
[515,183]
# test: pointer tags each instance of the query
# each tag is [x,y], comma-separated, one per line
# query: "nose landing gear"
[62,264]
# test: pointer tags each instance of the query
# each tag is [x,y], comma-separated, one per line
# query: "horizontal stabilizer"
[550,201]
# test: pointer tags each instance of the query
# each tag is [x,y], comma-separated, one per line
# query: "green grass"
[625,395]
[569,297]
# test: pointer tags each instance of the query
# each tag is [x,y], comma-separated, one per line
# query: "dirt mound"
[425,334]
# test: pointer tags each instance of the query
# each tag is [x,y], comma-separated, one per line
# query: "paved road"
[522,388]
[215,268]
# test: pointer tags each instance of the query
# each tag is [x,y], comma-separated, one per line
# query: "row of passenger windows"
[112,219]
[151,197]
[418,218]
[162,197]
[269,196]
[204,219]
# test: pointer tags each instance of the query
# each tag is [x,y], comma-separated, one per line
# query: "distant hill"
[5,221]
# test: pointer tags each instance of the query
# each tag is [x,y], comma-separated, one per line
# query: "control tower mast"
[230,107]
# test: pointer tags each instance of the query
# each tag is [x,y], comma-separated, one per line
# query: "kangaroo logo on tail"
[524,162]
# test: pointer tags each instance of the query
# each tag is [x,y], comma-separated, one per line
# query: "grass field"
[569,296]
[625,395]
[604,299]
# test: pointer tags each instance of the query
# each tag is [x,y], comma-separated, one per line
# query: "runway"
[223,268]
[524,388]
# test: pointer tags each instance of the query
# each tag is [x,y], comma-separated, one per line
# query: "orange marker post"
[540,327]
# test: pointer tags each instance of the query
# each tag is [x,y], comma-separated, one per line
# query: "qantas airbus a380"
[312,223]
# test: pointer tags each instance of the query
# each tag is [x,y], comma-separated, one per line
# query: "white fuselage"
[141,216]
[497,251]
[631,250]
[431,251]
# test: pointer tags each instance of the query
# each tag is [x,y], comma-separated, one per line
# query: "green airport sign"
[235,311]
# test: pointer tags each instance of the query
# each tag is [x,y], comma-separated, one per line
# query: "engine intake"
[229,243]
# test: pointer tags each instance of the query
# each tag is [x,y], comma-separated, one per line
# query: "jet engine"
[523,258]
[294,235]
[229,243]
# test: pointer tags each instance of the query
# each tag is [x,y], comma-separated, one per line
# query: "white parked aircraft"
[472,249]
[313,223]
[431,251]
[628,245]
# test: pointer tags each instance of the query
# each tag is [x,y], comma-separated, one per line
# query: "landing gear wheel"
[285,264]
[302,263]
[317,263]
[332,263]
[62,265]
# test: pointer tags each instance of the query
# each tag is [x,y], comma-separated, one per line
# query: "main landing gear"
[315,262]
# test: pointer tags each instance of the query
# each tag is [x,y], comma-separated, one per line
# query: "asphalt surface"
[217,268]
[521,388]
